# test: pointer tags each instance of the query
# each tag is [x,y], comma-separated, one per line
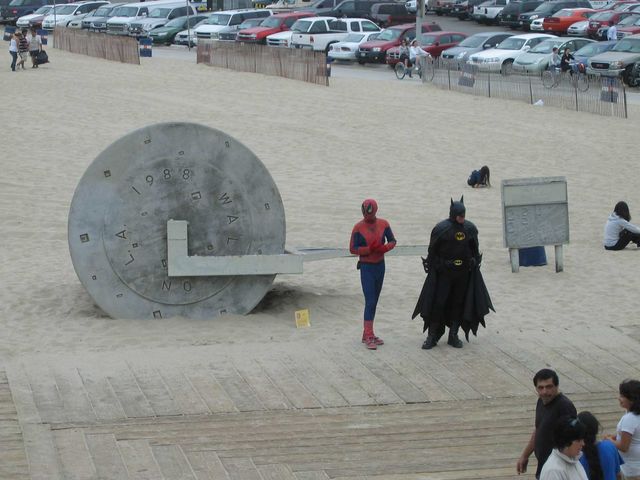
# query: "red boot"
[369,338]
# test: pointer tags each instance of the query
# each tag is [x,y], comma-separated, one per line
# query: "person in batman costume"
[454,293]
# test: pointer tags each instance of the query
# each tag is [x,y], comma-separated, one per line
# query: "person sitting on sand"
[618,231]
[480,178]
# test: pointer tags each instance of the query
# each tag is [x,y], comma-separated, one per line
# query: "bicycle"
[424,68]
[552,77]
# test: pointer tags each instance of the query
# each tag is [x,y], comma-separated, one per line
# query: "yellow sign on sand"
[302,318]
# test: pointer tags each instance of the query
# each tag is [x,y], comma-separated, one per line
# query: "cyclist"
[403,50]
[415,52]
[565,61]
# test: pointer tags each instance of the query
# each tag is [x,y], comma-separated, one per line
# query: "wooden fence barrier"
[100,45]
[296,64]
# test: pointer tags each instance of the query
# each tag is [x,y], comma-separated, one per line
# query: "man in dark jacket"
[453,293]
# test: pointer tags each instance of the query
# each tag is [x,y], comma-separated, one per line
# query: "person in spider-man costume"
[371,238]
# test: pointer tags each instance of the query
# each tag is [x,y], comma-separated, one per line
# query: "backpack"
[474,178]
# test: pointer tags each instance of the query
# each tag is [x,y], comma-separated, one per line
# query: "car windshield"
[546,46]
[511,44]
[602,16]
[102,12]
[545,7]
[250,23]
[474,41]
[66,10]
[627,45]
[354,37]
[630,20]
[177,22]
[43,10]
[159,13]
[125,12]
[218,19]
[302,26]
[271,22]
[389,34]
[563,13]
[592,49]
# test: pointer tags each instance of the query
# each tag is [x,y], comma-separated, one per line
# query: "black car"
[19,8]
[464,8]
[546,9]
[510,16]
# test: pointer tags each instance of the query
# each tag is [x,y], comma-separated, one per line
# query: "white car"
[65,13]
[578,29]
[536,25]
[500,59]
[183,37]
[280,39]
[346,49]
[412,6]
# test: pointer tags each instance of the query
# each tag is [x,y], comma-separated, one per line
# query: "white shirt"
[614,226]
[13,45]
[415,52]
[34,42]
[560,467]
[630,423]
[612,33]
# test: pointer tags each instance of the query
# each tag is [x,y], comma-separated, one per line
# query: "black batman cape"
[476,305]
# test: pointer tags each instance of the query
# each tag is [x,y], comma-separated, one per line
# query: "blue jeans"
[14,59]
[371,277]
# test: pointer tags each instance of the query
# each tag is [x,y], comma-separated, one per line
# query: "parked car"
[546,9]
[388,14]
[220,20]
[618,61]
[628,26]
[489,11]
[536,60]
[443,7]
[434,43]
[339,29]
[19,8]
[118,23]
[158,17]
[348,48]
[83,21]
[284,6]
[350,9]
[34,19]
[375,51]
[463,9]
[97,22]
[473,44]
[559,22]
[599,20]
[592,49]
[167,33]
[66,13]
[283,39]
[188,37]
[230,34]
[500,59]
[510,15]
[279,22]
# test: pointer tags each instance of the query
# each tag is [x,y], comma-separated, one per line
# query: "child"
[480,178]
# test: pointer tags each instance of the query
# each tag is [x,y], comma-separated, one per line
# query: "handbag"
[42,57]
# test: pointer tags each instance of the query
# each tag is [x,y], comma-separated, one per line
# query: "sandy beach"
[327,148]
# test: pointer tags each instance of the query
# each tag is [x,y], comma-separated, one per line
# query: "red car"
[274,24]
[560,21]
[604,19]
[434,43]
[629,26]
[375,51]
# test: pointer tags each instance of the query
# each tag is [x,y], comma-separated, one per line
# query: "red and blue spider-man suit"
[368,241]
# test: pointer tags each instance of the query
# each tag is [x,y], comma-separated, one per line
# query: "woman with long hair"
[619,231]
[600,460]
[627,438]
[480,178]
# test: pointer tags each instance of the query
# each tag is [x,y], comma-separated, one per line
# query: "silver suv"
[618,61]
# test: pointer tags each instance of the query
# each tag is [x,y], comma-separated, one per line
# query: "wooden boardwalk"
[262,412]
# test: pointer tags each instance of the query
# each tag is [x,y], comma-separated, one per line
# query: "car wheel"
[507,68]
[626,76]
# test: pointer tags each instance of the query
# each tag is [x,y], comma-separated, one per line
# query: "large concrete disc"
[180,171]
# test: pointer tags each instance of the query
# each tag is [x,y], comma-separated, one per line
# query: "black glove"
[474,262]
[425,265]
